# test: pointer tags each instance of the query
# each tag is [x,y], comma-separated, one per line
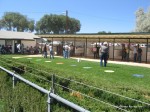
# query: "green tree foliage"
[13,21]
[16,21]
[104,32]
[31,25]
[1,25]
[142,20]
[57,24]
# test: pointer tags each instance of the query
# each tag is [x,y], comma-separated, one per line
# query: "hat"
[105,43]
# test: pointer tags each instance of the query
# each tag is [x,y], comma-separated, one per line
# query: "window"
[8,42]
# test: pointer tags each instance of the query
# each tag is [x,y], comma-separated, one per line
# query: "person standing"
[127,52]
[135,53]
[94,51]
[18,47]
[66,51]
[69,50]
[104,54]
[22,48]
[139,57]
[45,51]
[51,52]
[123,52]
[97,51]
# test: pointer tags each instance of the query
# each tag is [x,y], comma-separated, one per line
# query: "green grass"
[1,105]
[122,77]
[121,81]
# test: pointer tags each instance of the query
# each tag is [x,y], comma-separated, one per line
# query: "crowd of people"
[5,49]
[27,50]
[66,50]
[137,52]
[19,49]
[103,53]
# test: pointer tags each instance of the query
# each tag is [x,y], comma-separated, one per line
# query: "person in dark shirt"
[139,57]
[45,51]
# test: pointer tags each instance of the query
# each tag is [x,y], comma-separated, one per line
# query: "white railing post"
[50,93]
[13,78]
[53,84]
[48,102]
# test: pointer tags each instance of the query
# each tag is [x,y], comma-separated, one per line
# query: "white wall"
[28,43]
[2,42]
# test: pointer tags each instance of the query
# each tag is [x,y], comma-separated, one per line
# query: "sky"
[116,16]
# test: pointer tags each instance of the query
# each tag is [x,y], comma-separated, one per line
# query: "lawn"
[126,80]
[1,105]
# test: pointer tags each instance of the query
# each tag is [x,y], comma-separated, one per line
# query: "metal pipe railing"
[52,95]
[70,104]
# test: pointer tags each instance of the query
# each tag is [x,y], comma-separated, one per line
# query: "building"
[12,39]
[83,43]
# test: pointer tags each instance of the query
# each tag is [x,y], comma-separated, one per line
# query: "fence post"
[48,102]
[13,78]
[51,95]
[51,91]
[53,84]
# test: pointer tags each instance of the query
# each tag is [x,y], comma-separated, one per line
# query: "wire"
[103,90]
[71,89]
[106,91]
[92,97]
[28,72]
[30,67]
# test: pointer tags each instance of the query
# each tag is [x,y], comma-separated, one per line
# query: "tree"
[74,25]
[57,24]
[142,21]
[102,32]
[16,21]
[31,26]
[22,24]
[43,25]
[1,24]
[7,21]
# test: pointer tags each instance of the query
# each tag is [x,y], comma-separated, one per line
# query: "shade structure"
[121,37]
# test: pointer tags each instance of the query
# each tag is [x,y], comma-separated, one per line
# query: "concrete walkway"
[97,60]
[120,62]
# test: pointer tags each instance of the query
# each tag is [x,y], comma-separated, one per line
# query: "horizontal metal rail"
[58,98]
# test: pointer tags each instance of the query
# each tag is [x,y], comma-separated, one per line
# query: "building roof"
[109,37]
[17,35]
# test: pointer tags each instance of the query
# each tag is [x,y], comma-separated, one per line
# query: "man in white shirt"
[18,47]
[51,52]
[66,48]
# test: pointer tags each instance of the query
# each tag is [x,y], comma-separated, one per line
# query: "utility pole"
[66,21]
